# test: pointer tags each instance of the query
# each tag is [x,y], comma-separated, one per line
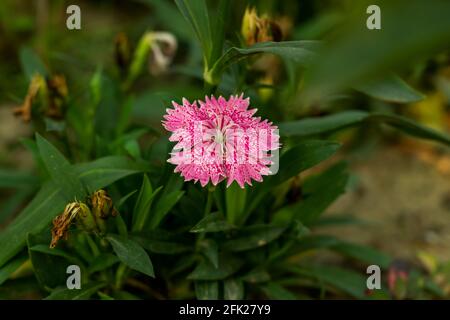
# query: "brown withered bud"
[102,205]
[163,48]
[52,93]
[62,222]
[259,29]
[57,94]
[37,82]
[58,86]
[122,52]
[276,31]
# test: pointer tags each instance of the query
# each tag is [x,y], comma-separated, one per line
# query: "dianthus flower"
[221,139]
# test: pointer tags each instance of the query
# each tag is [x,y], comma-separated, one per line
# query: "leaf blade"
[132,254]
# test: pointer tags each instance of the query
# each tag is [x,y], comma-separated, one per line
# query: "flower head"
[220,139]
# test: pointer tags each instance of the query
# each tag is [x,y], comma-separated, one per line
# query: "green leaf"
[301,157]
[102,262]
[14,203]
[131,254]
[410,127]
[253,237]
[359,252]
[277,292]
[210,249]
[14,179]
[205,270]
[257,275]
[196,14]
[163,207]
[218,24]
[124,199]
[319,125]
[31,63]
[319,193]
[86,291]
[298,52]
[44,248]
[364,253]
[61,172]
[207,290]
[314,126]
[235,197]
[49,202]
[101,172]
[233,289]
[104,296]
[346,281]
[213,222]
[157,242]
[392,89]
[142,207]
[49,269]
[133,149]
[338,220]
[357,54]
[7,270]
[121,226]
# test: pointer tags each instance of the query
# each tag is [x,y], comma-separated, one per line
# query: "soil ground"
[404,194]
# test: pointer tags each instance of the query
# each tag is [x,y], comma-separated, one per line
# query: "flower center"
[219,137]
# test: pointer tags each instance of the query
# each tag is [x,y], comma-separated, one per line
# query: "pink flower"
[220,139]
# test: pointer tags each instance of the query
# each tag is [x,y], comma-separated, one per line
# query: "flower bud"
[249,25]
[87,219]
[259,29]
[122,52]
[62,222]
[102,206]
[37,84]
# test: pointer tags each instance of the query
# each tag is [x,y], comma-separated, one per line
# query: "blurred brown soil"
[12,129]
[404,195]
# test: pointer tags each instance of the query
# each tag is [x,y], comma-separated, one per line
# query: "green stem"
[209,202]
[94,248]
[121,273]
[208,206]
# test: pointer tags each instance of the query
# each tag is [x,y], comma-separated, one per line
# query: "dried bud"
[57,94]
[62,222]
[163,49]
[249,25]
[37,82]
[160,47]
[102,206]
[52,93]
[58,86]
[259,29]
[122,52]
